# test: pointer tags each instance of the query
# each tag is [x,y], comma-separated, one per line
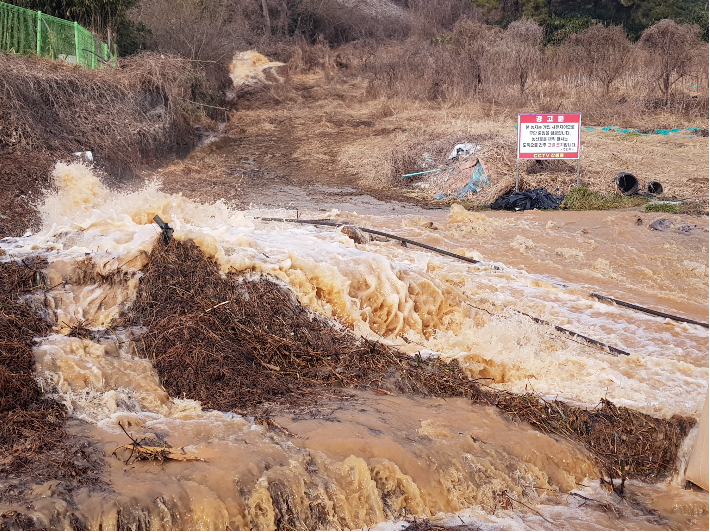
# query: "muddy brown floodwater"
[359,459]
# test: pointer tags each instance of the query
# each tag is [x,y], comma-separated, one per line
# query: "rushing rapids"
[360,459]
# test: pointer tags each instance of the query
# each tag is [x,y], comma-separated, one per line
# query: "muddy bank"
[129,117]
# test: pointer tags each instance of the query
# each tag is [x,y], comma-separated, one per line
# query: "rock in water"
[355,234]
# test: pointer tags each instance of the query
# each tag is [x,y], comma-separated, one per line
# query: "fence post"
[76,41]
[39,33]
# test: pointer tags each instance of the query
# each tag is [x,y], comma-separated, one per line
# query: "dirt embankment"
[128,117]
[34,445]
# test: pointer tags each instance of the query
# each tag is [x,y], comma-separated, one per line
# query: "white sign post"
[549,136]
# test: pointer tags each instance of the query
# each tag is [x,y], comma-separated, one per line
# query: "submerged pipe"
[647,310]
[167,231]
[332,223]
[613,350]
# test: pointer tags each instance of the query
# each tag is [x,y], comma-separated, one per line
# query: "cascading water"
[365,459]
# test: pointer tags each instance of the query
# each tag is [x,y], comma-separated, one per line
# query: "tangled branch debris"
[625,443]
[34,446]
[241,343]
[154,449]
[234,344]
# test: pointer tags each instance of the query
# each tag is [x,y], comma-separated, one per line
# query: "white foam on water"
[380,290]
[415,300]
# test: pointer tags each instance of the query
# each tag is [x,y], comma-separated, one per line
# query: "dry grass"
[126,116]
[129,117]
[25,176]
[312,129]
[583,199]
[333,132]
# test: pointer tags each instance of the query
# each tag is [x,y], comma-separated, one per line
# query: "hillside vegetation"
[452,69]
[608,59]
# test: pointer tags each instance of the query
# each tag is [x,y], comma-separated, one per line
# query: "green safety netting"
[23,31]
[690,131]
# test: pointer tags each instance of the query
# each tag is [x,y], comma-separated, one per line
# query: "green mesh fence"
[23,31]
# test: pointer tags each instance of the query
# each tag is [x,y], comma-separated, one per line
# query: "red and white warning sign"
[549,136]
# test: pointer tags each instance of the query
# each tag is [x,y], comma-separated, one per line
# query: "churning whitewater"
[375,459]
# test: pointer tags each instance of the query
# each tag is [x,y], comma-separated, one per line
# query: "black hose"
[332,223]
[647,310]
[613,350]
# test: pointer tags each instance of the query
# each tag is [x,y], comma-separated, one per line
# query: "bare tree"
[602,53]
[522,41]
[672,48]
[473,41]
[197,29]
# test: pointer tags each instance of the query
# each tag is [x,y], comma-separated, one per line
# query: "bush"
[521,42]
[603,53]
[584,199]
[672,49]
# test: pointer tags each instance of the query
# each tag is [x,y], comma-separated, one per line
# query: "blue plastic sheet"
[478,180]
[621,131]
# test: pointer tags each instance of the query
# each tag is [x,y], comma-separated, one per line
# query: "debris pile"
[625,443]
[34,446]
[242,343]
[238,342]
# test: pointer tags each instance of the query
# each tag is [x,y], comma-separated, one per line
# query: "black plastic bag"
[538,198]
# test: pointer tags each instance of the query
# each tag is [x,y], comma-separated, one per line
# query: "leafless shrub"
[473,42]
[207,30]
[434,16]
[521,49]
[602,53]
[671,48]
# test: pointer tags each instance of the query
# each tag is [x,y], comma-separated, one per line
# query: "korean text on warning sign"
[549,136]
